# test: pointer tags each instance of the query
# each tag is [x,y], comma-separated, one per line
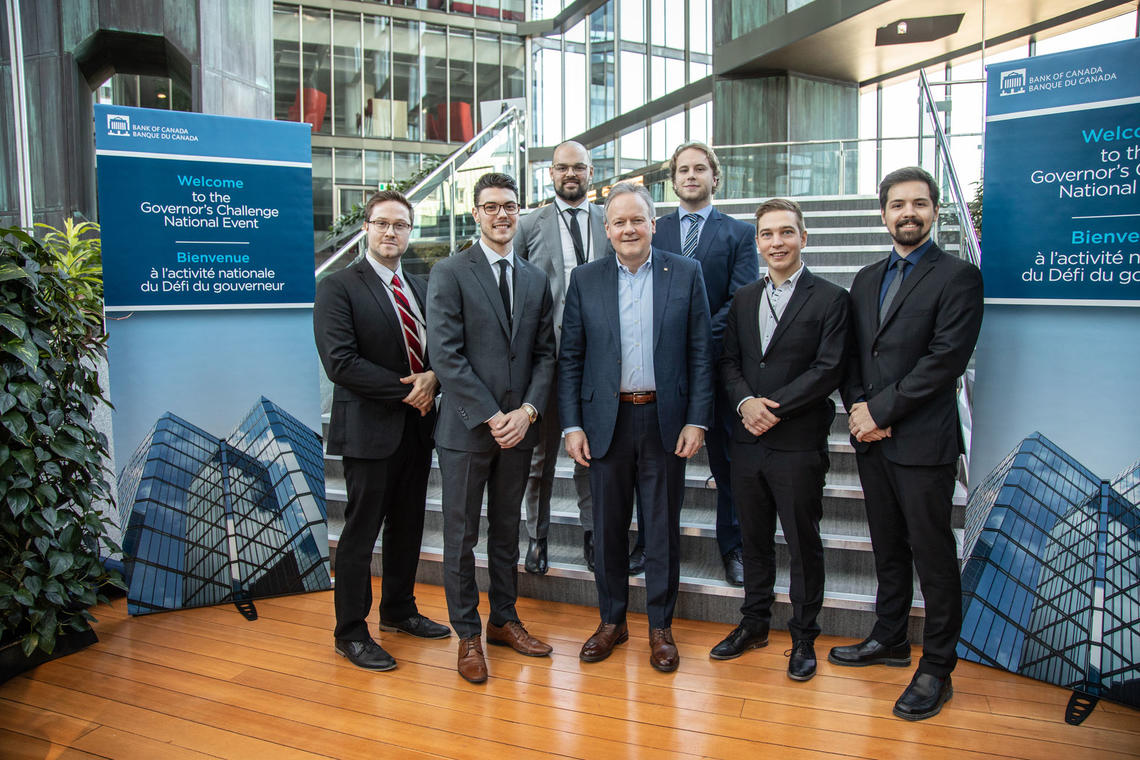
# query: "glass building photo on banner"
[1051,581]
[210,520]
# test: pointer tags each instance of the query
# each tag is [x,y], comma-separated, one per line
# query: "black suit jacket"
[804,362]
[361,346]
[906,368]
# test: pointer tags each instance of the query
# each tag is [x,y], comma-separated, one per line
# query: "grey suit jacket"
[482,366]
[539,240]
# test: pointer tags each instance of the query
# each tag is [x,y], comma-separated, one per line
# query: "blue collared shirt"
[635,315]
[685,223]
[912,258]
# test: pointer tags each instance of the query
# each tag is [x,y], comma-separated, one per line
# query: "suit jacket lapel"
[662,273]
[552,243]
[799,297]
[668,235]
[708,232]
[419,291]
[609,298]
[522,290]
[921,269]
[374,285]
[598,233]
[483,275]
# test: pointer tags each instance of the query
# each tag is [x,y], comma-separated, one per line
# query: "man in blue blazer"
[727,252]
[635,393]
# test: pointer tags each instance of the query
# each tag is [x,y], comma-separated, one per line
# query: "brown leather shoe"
[599,646]
[662,651]
[512,634]
[472,666]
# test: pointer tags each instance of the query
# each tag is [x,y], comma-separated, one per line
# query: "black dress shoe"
[536,557]
[417,625]
[588,549]
[742,638]
[924,697]
[365,654]
[637,561]
[870,652]
[734,567]
[801,664]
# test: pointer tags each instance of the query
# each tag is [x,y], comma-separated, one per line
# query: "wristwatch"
[531,412]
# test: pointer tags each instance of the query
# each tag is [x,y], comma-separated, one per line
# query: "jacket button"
[870,386]
[763,365]
[874,353]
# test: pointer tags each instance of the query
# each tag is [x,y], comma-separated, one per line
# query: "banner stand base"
[248,611]
[1080,707]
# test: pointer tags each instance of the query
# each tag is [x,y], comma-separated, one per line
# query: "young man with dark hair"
[785,346]
[369,325]
[915,319]
[491,337]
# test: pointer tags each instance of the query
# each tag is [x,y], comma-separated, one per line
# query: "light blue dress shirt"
[635,314]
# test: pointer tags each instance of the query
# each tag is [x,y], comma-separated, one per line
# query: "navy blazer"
[907,366]
[729,261]
[589,363]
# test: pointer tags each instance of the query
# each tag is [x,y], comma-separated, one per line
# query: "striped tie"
[692,236]
[411,331]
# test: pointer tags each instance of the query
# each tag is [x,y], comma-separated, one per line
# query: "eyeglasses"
[491,209]
[566,168]
[381,225]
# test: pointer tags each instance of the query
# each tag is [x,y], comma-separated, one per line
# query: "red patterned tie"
[411,332]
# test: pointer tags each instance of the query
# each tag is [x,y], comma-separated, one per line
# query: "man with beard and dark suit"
[727,253]
[368,321]
[558,237]
[491,338]
[635,394]
[785,346]
[915,318]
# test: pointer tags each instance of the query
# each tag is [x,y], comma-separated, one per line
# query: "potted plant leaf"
[53,474]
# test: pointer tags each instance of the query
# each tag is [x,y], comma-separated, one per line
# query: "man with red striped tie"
[371,336]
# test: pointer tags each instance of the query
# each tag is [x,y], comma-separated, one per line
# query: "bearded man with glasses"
[368,320]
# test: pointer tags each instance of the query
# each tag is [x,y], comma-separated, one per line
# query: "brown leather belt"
[639,397]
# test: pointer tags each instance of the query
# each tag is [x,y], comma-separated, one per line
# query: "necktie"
[408,321]
[504,289]
[893,288]
[689,245]
[576,236]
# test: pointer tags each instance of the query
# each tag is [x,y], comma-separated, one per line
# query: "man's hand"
[757,415]
[422,395]
[509,429]
[689,442]
[863,427]
[578,447]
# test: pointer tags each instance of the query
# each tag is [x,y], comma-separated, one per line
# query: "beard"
[570,195]
[909,235]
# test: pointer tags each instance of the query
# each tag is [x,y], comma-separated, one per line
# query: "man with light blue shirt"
[635,394]
[727,252]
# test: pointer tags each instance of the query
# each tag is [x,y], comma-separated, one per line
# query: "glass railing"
[443,200]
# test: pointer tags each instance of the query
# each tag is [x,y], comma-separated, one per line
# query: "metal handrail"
[972,247]
[425,186]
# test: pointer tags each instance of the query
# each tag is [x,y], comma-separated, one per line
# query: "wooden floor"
[206,683]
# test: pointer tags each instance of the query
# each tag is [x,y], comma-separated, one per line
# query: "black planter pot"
[13,662]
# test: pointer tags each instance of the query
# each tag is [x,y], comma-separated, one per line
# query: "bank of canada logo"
[118,125]
[1012,82]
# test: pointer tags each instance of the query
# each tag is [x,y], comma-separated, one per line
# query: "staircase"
[844,234]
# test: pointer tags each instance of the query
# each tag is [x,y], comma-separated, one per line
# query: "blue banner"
[208,278]
[1062,209]
[206,211]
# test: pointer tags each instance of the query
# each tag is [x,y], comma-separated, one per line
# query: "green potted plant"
[53,474]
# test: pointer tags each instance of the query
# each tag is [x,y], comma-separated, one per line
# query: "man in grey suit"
[491,339]
[557,238]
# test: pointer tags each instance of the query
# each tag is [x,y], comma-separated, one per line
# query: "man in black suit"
[491,338]
[727,253]
[369,327]
[635,394]
[785,346]
[915,317]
